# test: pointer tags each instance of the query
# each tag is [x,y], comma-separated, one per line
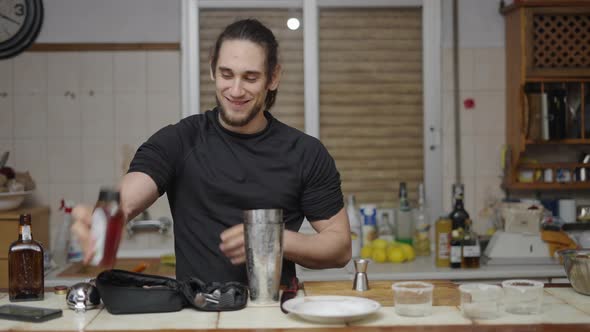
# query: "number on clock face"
[12,17]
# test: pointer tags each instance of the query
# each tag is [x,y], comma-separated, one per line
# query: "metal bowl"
[82,296]
[577,266]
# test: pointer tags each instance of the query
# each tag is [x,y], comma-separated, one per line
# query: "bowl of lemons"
[383,251]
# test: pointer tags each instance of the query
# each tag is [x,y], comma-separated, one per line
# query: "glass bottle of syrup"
[25,265]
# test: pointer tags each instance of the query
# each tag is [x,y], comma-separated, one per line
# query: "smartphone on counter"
[28,314]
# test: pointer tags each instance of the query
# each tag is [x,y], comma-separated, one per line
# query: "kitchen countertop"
[562,309]
[422,268]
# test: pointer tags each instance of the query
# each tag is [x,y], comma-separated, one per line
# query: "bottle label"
[27,233]
[455,254]
[471,251]
[443,245]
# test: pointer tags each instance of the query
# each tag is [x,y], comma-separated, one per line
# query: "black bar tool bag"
[125,292]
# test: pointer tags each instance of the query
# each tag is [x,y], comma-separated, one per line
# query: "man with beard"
[237,157]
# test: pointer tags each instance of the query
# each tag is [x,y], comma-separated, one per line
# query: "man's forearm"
[328,249]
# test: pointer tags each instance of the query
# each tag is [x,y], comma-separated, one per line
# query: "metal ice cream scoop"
[82,296]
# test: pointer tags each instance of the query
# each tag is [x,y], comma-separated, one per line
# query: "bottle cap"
[25,219]
[108,194]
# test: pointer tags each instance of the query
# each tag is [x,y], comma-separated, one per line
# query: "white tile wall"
[482,130]
[69,117]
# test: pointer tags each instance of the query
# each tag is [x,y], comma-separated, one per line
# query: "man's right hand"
[82,221]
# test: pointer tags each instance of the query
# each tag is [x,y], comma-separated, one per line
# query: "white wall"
[480,24]
[111,21]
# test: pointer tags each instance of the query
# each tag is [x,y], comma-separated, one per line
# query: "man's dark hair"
[256,32]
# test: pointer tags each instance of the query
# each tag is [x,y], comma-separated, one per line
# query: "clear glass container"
[412,298]
[480,301]
[523,296]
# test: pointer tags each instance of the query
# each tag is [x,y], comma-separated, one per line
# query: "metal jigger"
[361,282]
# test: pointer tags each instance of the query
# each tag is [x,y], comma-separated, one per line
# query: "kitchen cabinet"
[9,233]
[547,95]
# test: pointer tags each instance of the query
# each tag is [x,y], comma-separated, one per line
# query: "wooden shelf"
[567,141]
[547,186]
[540,58]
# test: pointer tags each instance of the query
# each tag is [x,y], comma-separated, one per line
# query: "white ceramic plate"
[331,309]
[12,200]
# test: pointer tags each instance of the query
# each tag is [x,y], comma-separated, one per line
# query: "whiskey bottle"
[25,265]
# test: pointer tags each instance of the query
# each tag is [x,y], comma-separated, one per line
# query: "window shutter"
[371,99]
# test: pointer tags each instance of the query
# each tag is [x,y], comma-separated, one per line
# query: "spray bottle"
[67,244]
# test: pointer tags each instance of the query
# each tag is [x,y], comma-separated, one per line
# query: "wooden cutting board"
[446,293]
[153,266]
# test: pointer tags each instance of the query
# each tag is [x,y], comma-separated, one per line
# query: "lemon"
[392,244]
[366,252]
[379,244]
[379,255]
[395,254]
[408,251]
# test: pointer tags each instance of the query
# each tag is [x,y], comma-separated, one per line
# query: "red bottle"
[107,226]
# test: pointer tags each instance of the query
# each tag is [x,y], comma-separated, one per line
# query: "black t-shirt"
[212,174]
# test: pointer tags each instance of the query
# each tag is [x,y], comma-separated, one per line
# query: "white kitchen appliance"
[517,249]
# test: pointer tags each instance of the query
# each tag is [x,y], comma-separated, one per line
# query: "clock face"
[12,18]
[20,23]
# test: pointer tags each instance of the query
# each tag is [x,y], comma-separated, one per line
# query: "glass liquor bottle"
[456,253]
[458,218]
[403,220]
[25,265]
[471,251]
[421,240]
[458,215]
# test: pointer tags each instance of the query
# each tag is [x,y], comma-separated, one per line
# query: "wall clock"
[20,23]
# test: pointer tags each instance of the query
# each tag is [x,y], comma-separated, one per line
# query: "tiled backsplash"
[482,128]
[72,118]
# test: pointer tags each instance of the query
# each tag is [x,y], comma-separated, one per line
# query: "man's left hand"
[233,245]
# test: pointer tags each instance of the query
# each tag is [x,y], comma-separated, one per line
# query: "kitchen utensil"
[480,301]
[82,296]
[263,231]
[523,296]
[201,299]
[412,298]
[576,263]
[361,281]
[289,293]
[140,267]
